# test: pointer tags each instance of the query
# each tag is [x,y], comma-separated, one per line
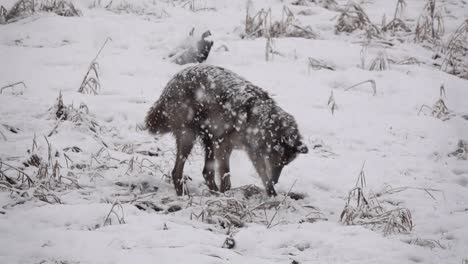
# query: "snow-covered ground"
[406,154]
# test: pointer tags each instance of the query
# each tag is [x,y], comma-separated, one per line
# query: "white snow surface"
[400,148]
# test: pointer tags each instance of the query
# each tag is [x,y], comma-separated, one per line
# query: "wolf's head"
[287,145]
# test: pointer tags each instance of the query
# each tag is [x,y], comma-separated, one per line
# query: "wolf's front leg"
[262,170]
[223,154]
[208,170]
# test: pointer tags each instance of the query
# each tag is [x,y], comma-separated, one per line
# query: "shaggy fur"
[226,112]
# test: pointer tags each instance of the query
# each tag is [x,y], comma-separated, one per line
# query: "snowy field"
[94,187]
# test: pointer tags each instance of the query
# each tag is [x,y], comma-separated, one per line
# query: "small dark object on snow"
[34,160]
[73,149]
[226,112]
[229,243]
[148,153]
[296,196]
[174,208]
[147,206]
[199,53]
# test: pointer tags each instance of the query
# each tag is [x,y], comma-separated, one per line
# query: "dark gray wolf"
[225,112]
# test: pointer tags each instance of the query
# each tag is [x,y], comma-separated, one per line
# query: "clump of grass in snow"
[80,117]
[462,150]
[397,23]
[366,210]
[25,8]
[380,63]
[261,25]
[430,25]
[148,8]
[439,109]
[456,55]
[43,183]
[354,18]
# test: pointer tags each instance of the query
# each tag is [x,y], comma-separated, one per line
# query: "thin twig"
[279,205]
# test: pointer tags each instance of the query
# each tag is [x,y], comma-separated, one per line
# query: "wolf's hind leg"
[185,142]
[209,169]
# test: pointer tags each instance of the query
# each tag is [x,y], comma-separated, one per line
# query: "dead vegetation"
[456,56]
[261,25]
[43,180]
[364,209]
[439,109]
[25,8]
[462,150]
[91,83]
[317,64]
[373,86]
[80,117]
[131,7]
[12,86]
[430,25]
[331,103]
[248,204]
[354,18]
[397,24]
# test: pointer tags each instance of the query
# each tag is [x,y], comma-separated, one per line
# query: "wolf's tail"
[157,120]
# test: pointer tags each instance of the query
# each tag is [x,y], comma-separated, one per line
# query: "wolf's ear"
[302,148]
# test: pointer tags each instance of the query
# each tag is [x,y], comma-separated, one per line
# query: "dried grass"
[42,185]
[380,63]
[456,55]
[131,7]
[117,213]
[25,8]
[317,64]
[261,25]
[439,109]
[373,85]
[354,18]
[13,85]
[462,150]
[91,83]
[430,25]
[366,210]
[331,103]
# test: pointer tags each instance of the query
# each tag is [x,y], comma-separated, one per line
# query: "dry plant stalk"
[317,64]
[91,83]
[331,103]
[456,57]
[439,109]
[373,85]
[430,25]
[397,24]
[12,85]
[380,63]
[261,25]
[117,211]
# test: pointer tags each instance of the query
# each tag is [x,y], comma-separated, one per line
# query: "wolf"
[225,112]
